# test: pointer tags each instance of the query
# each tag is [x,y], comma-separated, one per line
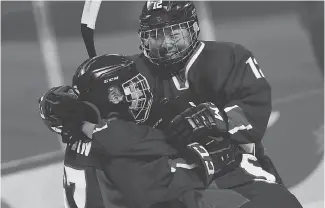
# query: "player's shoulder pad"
[224,50]
[218,45]
[216,64]
[215,60]
[240,52]
[217,49]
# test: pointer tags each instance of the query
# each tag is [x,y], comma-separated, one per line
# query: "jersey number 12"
[253,63]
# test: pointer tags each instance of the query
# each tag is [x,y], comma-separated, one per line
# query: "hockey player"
[181,69]
[117,163]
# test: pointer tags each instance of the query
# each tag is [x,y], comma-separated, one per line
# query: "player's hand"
[198,154]
[55,107]
[196,123]
[205,126]
[223,153]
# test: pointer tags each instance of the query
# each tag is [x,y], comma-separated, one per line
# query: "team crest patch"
[115,95]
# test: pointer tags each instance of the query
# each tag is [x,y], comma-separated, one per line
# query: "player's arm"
[249,105]
[124,138]
[145,169]
[146,182]
[121,138]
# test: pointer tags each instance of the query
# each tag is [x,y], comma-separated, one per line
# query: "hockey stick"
[88,22]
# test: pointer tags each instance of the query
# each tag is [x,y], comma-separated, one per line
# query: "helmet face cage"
[137,93]
[179,47]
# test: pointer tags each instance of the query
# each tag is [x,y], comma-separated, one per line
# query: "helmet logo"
[111,79]
[154,4]
[115,95]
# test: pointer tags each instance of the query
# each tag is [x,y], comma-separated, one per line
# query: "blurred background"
[41,47]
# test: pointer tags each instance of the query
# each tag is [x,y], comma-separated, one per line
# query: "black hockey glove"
[63,113]
[196,123]
[198,154]
[204,126]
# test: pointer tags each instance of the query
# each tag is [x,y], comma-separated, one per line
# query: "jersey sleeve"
[142,166]
[144,183]
[248,95]
[127,139]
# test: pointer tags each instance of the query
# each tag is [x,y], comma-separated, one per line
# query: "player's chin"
[175,56]
[167,59]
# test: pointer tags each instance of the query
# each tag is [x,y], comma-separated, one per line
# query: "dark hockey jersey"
[226,74]
[126,165]
[85,180]
[141,165]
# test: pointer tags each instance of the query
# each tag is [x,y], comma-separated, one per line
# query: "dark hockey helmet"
[162,40]
[113,84]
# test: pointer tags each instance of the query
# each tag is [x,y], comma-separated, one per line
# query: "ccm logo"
[111,79]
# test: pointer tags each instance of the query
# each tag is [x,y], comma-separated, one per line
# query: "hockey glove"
[224,154]
[63,113]
[197,153]
[204,125]
[196,123]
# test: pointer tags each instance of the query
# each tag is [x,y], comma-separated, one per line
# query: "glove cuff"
[202,158]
